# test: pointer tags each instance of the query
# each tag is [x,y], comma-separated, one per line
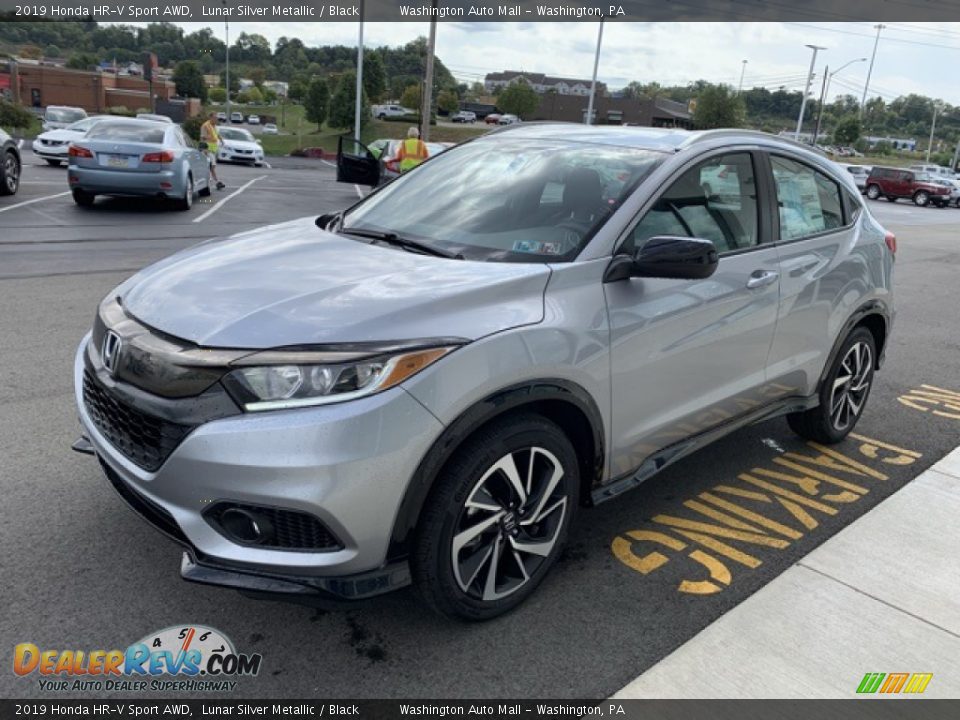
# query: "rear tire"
[844,393]
[484,543]
[186,202]
[873,192]
[83,198]
[9,173]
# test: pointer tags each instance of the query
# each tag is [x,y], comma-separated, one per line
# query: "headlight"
[274,387]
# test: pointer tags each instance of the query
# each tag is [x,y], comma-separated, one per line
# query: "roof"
[538,78]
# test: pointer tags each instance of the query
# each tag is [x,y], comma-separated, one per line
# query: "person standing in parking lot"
[412,151]
[211,136]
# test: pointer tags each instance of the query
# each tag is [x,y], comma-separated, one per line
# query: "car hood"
[294,284]
[60,134]
[241,144]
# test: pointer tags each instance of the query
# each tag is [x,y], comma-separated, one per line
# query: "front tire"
[497,518]
[9,174]
[844,392]
[921,198]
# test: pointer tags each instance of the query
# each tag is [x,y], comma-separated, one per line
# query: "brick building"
[37,85]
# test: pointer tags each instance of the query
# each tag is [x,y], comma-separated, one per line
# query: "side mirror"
[668,257]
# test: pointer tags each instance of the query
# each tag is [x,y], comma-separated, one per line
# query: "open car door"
[356,164]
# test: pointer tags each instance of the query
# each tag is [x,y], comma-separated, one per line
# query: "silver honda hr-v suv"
[427,386]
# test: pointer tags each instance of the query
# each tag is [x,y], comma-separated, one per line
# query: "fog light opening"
[246,526]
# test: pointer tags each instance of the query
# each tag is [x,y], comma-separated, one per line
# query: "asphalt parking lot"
[82,571]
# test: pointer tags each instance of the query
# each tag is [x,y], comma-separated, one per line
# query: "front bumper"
[51,152]
[239,157]
[347,465]
[168,182]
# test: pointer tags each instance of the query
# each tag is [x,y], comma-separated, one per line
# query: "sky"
[911,57]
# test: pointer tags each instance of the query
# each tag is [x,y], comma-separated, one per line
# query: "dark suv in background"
[894,183]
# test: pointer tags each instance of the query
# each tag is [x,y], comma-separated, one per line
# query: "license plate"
[118,161]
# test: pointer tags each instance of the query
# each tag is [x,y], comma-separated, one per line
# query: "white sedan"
[52,145]
[238,145]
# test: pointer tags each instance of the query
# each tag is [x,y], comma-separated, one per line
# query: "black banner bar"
[482,10]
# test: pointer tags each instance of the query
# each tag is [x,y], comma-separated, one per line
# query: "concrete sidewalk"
[882,595]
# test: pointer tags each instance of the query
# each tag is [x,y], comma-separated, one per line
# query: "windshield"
[508,200]
[235,134]
[64,115]
[132,132]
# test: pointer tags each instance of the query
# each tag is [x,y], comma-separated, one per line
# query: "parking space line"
[327,162]
[359,191]
[31,202]
[220,203]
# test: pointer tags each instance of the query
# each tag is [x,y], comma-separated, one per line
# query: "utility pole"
[933,127]
[866,85]
[956,156]
[358,105]
[806,91]
[226,28]
[426,104]
[593,83]
[743,69]
[823,97]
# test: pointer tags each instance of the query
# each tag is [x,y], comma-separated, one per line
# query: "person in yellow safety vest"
[412,151]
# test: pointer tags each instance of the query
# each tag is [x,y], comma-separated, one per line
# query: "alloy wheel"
[850,386]
[509,524]
[11,171]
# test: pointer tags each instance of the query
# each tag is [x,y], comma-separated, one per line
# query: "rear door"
[688,355]
[356,164]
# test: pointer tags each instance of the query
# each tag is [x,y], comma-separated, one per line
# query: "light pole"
[358,105]
[806,91]
[866,85]
[827,77]
[426,99]
[226,29]
[933,127]
[743,69]
[593,83]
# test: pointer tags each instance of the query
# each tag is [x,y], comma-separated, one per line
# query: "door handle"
[762,278]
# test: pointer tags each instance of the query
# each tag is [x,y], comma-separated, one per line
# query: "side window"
[808,201]
[715,200]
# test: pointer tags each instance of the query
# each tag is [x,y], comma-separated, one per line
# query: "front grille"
[292,529]
[144,439]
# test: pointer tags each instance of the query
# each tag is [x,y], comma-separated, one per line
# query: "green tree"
[518,99]
[217,94]
[254,95]
[82,61]
[343,100]
[51,51]
[234,80]
[258,75]
[448,101]
[718,106]
[374,76]
[297,90]
[316,101]
[412,97]
[188,78]
[13,115]
[31,52]
[847,131]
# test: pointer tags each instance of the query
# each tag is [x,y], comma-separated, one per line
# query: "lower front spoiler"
[199,568]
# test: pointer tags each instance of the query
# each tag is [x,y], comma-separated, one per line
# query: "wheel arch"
[561,401]
[875,316]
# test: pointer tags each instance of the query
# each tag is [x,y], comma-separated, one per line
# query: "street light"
[743,69]
[933,126]
[866,85]
[824,93]
[593,83]
[806,91]
[226,28]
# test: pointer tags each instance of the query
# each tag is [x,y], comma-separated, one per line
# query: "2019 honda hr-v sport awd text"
[426,386]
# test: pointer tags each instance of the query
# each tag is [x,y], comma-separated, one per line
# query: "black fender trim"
[872,307]
[494,405]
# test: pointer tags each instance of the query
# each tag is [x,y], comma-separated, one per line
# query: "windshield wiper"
[393,239]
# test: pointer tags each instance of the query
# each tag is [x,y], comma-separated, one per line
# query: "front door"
[689,355]
[356,164]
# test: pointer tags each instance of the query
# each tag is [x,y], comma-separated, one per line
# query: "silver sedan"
[137,158]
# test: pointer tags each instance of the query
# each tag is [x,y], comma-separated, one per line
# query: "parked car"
[236,117]
[893,183]
[52,145]
[464,116]
[860,174]
[384,111]
[935,170]
[430,390]
[253,119]
[221,117]
[137,158]
[953,185]
[154,117]
[508,119]
[59,116]
[492,119]
[239,146]
[10,165]
[377,157]
[270,129]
